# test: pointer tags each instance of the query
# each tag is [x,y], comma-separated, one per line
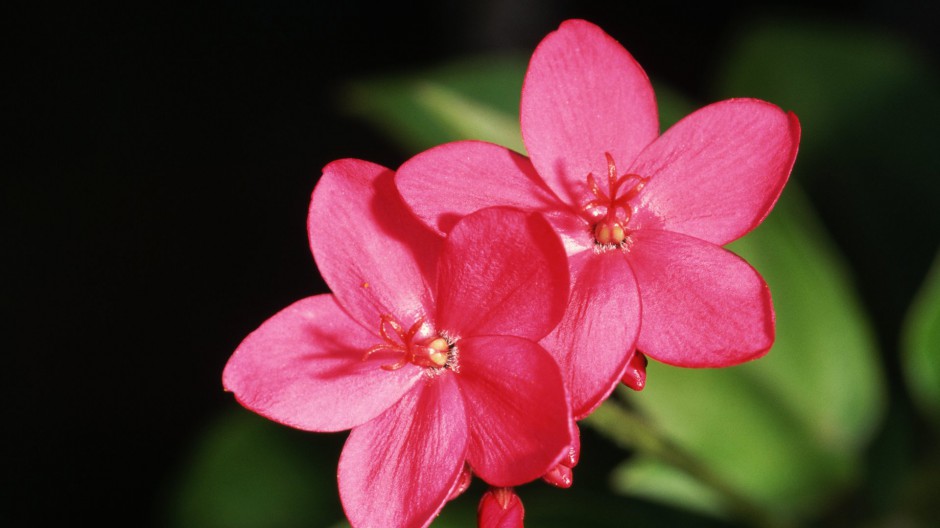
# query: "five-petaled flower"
[643,216]
[427,349]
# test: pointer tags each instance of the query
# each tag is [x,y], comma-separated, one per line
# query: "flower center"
[417,345]
[609,212]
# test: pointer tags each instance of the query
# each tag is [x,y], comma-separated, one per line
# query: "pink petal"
[371,251]
[703,306]
[301,365]
[445,183]
[597,334]
[584,95]
[516,408]
[500,508]
[463,482]
[501,272]
[717,173]
[399,469]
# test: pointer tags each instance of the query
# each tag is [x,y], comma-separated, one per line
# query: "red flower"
[426,349]
[643,216]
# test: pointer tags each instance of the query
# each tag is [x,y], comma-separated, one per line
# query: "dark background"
[155,206]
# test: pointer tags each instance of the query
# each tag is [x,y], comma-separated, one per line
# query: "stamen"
[592,183]
[611,173]
[388,322]
[611,211]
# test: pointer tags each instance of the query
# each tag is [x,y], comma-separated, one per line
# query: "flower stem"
[631,431]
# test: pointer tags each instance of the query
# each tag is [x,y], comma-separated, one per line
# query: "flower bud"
[635,377]
[500,508]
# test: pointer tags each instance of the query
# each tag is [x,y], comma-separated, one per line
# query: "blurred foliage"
[788,430]
[922,346]
[248,472]
[475,98]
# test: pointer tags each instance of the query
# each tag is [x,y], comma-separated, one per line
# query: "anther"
[439,349]
[609,233]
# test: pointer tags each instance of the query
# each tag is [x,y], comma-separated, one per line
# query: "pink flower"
[427,349]
[643,216]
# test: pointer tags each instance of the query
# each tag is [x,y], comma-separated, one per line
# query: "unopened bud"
[500,508]
[635,377]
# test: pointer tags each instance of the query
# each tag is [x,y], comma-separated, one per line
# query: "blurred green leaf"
[549,507]
[787,430]
[824,364]
[921,346]
[672,105]
[248,472]
[470,99]
[652,479]
[849,86]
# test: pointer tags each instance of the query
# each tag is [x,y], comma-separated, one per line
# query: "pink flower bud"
[500,508]
[635,377]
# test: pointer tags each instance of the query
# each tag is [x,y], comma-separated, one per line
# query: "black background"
[157,189]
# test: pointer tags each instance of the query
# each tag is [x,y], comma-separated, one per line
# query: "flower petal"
[584,95]
[501,272]
[399,469]
[516,408]
[450,181]
[703,306]
[598,332]
[301,365]
[717,173]
[371,251]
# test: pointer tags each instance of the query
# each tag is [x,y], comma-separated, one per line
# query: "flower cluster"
[484,301]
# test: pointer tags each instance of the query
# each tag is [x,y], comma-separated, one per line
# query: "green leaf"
[786,430]
[248,472]
[471,99]
[652,479]
[921,346]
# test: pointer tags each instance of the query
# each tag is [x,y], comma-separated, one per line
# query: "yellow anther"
[609,233]
[439,352]
[616,234]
